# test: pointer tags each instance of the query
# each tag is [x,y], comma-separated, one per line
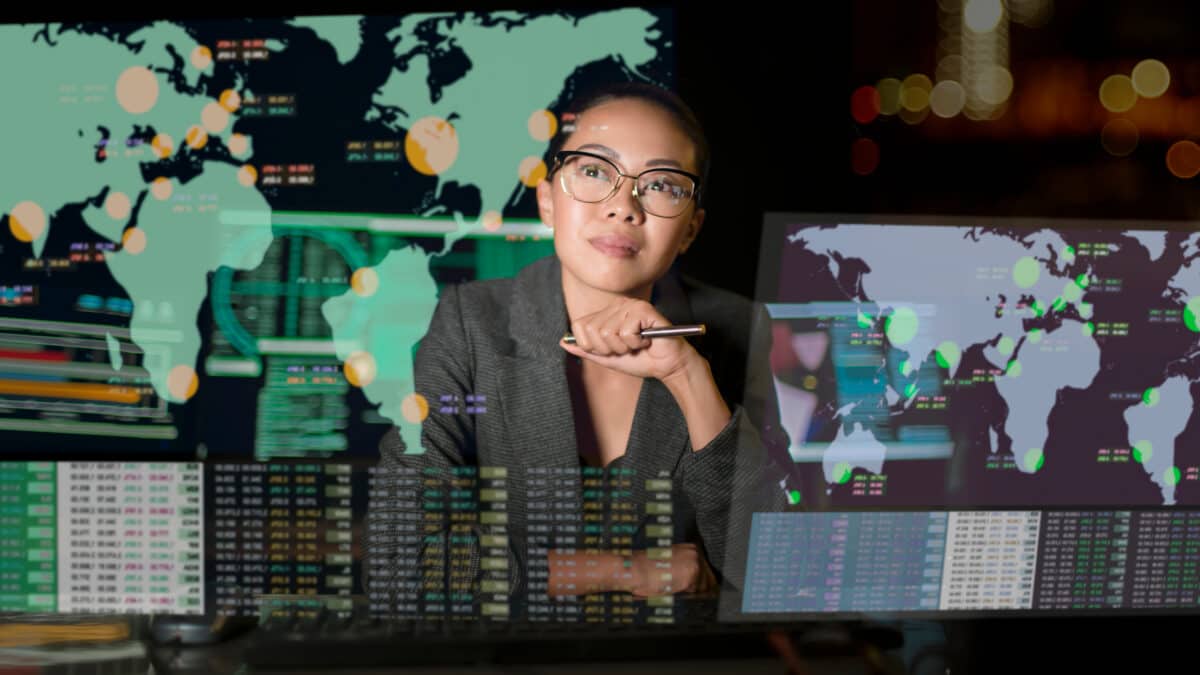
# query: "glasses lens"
[665,193]
[588,179]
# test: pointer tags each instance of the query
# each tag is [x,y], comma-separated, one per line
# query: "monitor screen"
[987,415]
[217,261]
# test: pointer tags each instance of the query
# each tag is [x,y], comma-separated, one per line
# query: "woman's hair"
[664,99]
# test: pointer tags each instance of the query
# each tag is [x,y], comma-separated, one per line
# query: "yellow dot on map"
[542,125]
[360,368]
[492,220]
[201,57]
[182,382]
[197,137]
[137,90]
[239,144]
[365,281]
[247,175]
[161,188]
[27,221]
[415,408]
[133,241]
[431,145]
[230,100]
[117,205]
[532,171]
[214,117]
[163,145]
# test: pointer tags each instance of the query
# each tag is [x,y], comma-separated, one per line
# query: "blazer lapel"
[537,403]
[660,435]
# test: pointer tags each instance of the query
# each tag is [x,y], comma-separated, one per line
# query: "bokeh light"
[947,98]
[1183,159]
[864,104]
[995,85]
[1119,137]
[1117,93]
[1151,78]
[914,92]
[982,16]
[889,95]
[864,156]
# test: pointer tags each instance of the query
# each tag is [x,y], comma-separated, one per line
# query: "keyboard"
[396,643]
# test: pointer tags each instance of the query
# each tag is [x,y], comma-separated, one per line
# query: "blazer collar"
[537,321]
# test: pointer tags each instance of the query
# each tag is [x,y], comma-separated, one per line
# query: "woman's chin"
[622,282]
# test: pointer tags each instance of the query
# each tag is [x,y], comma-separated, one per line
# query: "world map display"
[1037,363]
[174,176]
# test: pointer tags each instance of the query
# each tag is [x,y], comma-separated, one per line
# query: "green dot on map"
[1088,329]
[1034,459]
[1026,272]
[1190,313]
[1059,304]
[1085,310]
[1082,280]
[1038,308]
[948,355]
[1142,451]
[901,326]
[1069,254]
[865,320]
[1150,397]
[1006,345]
[911,390]
[842,472]
[1171,475]
[1014,369]
[1072,293]
[906,368]
[793,497]
[1036,335]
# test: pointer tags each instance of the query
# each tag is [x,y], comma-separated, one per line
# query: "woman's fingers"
[626,322]
[616,329]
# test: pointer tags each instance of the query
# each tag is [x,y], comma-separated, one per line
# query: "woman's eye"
[594,171]
[665,186]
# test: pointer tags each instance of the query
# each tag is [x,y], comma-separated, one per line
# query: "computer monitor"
[222,248]
[991,416]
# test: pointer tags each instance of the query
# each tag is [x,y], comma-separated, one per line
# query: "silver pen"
[668,331]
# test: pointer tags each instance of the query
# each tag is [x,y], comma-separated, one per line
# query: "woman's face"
[614,245]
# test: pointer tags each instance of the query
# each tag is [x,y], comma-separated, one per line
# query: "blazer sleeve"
[734,475]
[443,365]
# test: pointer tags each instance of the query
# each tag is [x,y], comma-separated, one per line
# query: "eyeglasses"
[591,178]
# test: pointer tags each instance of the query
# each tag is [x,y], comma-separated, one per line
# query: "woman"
[622,198]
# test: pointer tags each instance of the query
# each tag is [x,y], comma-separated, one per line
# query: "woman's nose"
[624,204]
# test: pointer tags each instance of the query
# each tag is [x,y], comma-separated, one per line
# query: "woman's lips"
[614,245]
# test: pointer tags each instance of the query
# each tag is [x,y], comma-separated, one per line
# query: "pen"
[669,331]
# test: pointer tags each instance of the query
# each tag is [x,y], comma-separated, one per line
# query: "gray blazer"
[499,338]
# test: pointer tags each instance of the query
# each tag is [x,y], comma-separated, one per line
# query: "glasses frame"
[563,155]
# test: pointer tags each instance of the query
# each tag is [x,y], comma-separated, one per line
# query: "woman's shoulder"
[497,310]
[490,298]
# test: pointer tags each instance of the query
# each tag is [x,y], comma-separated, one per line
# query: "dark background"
[772,86]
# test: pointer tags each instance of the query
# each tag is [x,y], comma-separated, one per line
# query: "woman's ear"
[545,202]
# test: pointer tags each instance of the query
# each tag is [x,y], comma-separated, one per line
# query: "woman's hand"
[685,571]
[612,338]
